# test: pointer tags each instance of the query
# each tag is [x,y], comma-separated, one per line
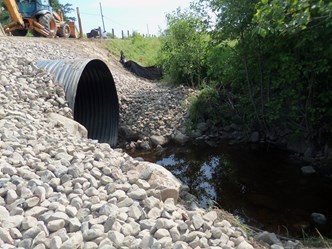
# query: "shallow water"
[264,187]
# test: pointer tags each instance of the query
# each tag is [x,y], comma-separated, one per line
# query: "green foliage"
[204,106]
[183,49]
[233,17]
[4,15]
[292,16]
[65,8]
[275,56]
[143,50]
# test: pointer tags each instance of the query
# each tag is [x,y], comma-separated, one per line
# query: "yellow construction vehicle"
[39,17]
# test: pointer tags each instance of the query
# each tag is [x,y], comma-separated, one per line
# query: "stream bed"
[264,187]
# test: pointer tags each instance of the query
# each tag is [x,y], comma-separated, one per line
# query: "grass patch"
[143,50]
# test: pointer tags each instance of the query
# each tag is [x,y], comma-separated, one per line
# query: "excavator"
[39,17]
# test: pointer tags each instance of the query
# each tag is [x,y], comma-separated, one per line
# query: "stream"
[264,187]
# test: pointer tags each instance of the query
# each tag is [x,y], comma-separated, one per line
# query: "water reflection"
[264,187]
[197,175]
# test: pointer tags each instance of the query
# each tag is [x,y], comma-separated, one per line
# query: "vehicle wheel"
[64,30]
[19,32]
[49,23]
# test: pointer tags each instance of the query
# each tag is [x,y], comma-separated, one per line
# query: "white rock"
[5,236]
[138,194]
[161,233]
[92,234]
[244,245]
[70,125]
[197,221]
[11,196]
[56,243]
[134,212]
[116,237]
[55,225]
[13,221]
[73,242]
[4,214]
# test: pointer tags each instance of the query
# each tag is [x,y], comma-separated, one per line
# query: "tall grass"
[143,50]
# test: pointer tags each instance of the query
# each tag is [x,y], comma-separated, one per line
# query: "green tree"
[65,8]
[280,65]
[183,51]
[273,56]
[4,15]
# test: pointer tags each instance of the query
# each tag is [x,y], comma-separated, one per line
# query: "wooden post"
[128,33]
[113,36]
[79,22]
[122,34]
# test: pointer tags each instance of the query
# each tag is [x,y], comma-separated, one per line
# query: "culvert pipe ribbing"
[91,94]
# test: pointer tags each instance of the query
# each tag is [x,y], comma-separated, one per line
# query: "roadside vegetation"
[264,64]
[143,50]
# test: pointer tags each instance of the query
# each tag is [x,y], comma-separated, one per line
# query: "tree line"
[262,63]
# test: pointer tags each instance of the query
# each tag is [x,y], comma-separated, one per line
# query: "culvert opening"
[91,94]
[96,103]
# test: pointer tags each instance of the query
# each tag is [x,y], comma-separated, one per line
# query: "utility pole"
[102,16]
[79,21]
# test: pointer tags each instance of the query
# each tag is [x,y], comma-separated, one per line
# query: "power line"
[89,14]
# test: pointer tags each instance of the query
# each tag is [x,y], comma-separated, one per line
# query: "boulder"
[160,179]
[158,140]
[180,138]
[73,127]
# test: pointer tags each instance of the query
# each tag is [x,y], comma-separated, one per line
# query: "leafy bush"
[183,49]
[275,56]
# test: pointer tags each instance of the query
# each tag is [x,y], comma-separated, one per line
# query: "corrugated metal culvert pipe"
[91,94]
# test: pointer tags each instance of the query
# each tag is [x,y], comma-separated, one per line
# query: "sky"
[143,16]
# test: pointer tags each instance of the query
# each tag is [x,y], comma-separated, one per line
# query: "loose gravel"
[62,190]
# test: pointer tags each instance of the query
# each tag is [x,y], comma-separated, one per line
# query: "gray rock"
[15,233]
[245,245]
[175,234]
[92,234]
[74,242]
[197,221]
[158,140]
[180,138]
[13,221]
[318,219]
[116,238]
[55,225]
[138,194]
[147,241]
[4,214]
[134,212]
[269,238]
[31,233]
[11,196]
[161,233]
[5,236]
[271,247]
[308,170]
[70,125]
[56,243]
